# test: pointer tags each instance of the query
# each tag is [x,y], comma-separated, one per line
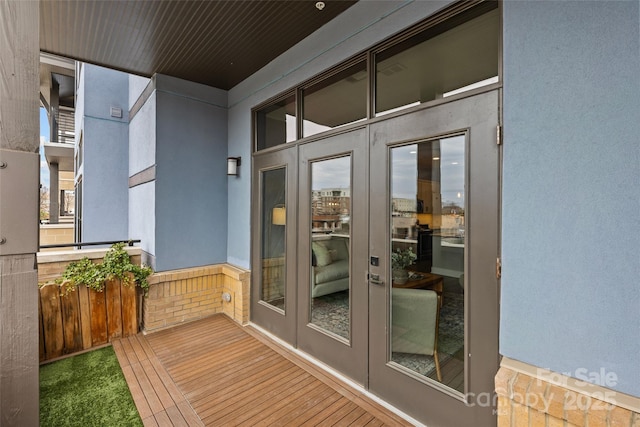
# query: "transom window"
[443,58]
[345,92]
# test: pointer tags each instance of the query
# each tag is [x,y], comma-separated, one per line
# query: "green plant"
[401,259]
[116,265]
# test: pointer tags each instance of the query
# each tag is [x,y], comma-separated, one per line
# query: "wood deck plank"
[251,371]
[144,410]
[137,348]
[363,420]
[189,414]
[128,350]
[195,368]
[150,422]
[142,340]
[378,410]
[176,417]
[214,372]
[202,352]
[352,416]
[311,412]
[324,412]
[149,393]
[336,417]
[222,353]
[157,384]
[120,354]
[299,408]
[207,400]
[213,387]
[260,407]
[260,402]
[163,419]
[164,376]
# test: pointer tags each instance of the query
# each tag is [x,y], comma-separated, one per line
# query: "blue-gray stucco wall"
[106,154]
[191,179]
[571,193]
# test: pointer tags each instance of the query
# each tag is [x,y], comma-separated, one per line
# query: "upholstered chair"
[415,314]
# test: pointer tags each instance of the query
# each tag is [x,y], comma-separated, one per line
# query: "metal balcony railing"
[79,245]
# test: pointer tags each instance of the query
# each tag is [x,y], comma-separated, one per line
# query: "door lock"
[375,279]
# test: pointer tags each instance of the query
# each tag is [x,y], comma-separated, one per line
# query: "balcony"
[214,372]
[199,362]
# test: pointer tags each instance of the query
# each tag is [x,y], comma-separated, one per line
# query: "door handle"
[375,279]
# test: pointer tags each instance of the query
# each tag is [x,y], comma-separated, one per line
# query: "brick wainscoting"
[273,277]
[179,296]
[533,397]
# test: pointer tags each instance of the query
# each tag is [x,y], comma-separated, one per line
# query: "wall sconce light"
[232,165]
[279,215]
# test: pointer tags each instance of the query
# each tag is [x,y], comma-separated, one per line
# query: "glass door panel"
[332,252]
[427,256]
[273,217]
[330,243]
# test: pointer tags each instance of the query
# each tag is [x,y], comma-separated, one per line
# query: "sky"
[336,173]
[333,173]
[44,137]
[404,170]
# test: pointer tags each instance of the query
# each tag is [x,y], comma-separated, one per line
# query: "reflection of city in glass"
[428,188]
[330,210]
[427,244]
[330,243]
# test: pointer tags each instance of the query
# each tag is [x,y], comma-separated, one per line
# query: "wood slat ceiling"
[217,43]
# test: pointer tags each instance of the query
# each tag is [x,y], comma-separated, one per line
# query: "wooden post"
[85,316]
[129,310]
[114,309]
[98,308]
[19,141]
[70,306]
[52,321]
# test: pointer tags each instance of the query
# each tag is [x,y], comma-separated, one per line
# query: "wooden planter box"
[85,318]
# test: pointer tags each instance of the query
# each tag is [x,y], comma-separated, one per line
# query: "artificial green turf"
[86,390]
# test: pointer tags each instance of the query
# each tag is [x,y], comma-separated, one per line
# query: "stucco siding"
[191,180]
[570,294]
[142,137]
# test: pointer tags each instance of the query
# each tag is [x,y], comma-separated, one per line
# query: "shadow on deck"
[214,372]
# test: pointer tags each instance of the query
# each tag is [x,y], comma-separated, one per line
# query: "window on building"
[335,101]
[454,56]
[276,124]
[431,61]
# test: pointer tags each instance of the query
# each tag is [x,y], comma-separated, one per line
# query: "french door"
[440,202]
[417,193]
[310,266]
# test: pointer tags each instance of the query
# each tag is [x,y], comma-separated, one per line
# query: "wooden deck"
[213,372]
